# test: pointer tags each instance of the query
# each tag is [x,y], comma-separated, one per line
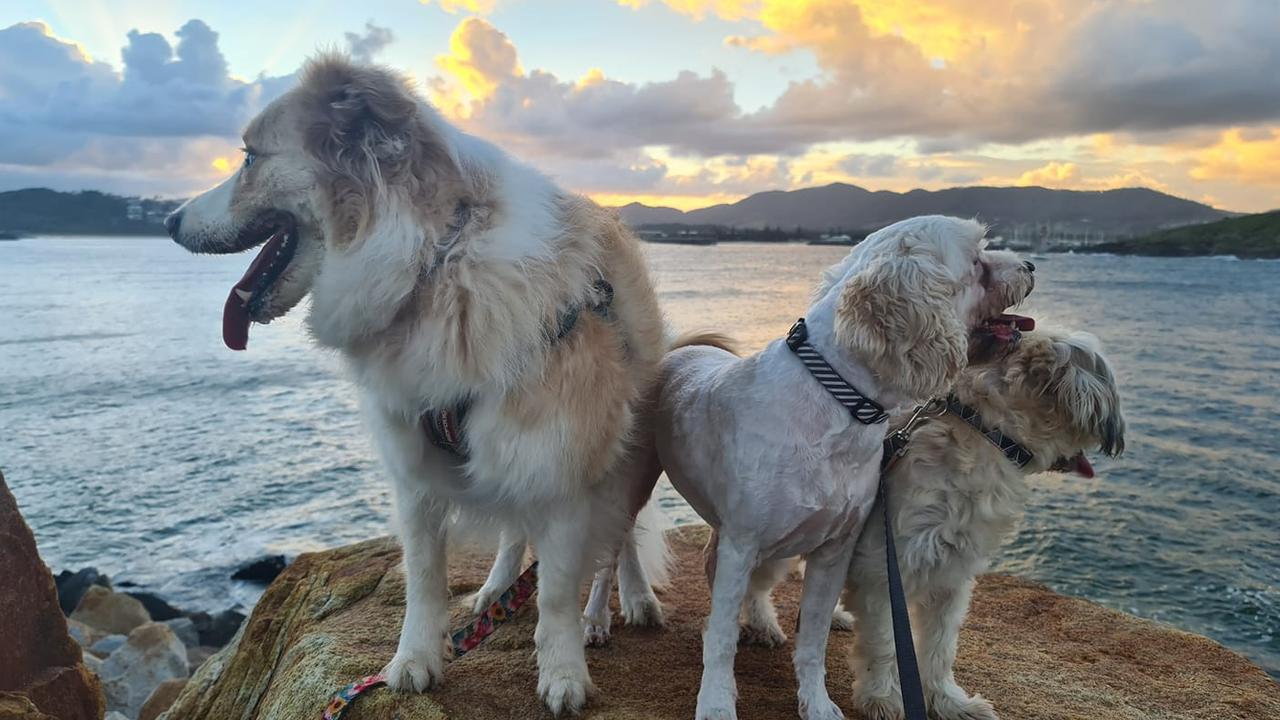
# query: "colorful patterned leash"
[461,641]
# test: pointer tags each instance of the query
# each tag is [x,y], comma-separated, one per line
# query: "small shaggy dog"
[954,497]
[503,333]
[778,466]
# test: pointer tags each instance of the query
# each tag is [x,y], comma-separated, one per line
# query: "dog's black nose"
[1030,266]
[172,223]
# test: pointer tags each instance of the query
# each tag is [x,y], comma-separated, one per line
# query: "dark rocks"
[42,673]
[157,608]
[217,629]
[263,570]
[73,585]
[185,629]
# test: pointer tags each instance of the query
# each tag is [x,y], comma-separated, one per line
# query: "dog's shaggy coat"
[954,498]
[780,468]
[441,269]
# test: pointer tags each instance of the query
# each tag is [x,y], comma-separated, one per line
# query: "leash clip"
[902,436]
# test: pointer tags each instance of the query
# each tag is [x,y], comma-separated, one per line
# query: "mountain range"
[1123,212]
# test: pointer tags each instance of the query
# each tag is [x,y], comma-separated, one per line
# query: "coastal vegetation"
[1249,236]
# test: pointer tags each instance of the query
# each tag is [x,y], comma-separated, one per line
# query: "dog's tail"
[706,338]
[651,543]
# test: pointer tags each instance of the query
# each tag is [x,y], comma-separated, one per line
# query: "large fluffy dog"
[954,497]
[502,332]
[772,461]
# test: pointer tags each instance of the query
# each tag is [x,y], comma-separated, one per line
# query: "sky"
[684,103]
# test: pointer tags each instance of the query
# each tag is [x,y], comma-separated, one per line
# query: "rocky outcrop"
[151,655]
[113,612]
[334,616]
[161,698]
[41,671]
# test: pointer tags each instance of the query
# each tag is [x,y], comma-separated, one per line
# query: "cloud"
[1243,156]
[478,7]
[365,47]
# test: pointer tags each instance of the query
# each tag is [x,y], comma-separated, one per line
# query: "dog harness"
[864,409]
[443,426]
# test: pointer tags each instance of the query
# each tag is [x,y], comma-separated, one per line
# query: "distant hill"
[1124,212]
[36,211]
[1250,236]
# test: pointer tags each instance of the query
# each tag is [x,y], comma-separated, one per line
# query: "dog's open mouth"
[1079,464]
[245,302]
[1006,328]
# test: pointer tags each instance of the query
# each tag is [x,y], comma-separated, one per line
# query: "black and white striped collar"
[864,409]
[1017,453]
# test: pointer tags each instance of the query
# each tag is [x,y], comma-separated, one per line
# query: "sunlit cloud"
[478,7]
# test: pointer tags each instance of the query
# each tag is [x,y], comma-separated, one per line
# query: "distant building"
[133,210]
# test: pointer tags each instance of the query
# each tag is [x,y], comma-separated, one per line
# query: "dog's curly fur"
[954,498]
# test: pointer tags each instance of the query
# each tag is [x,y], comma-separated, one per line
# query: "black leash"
[869,412]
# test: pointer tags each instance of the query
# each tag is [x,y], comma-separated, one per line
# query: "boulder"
[151,655]
[157,608]
[161,698]
[42,674]
[83,634]
[73,585]
[186,631]
[92,662]
[334,616]
[111,612]
[107,645]
[197,656]
[217,630]
[115,715]
[263,570]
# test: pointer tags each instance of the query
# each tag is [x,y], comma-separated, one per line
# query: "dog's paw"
[958,706]
[716,704]
[842,620]
[414,671]
[564,691]
[481,599]
[764,634]
[887,707]
[644,611]
[818,706]
[595,634]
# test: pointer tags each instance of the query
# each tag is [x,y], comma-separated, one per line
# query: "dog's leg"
[873,658]
[759,617]
[640,607]
[719,693]
[563,682]
[419,661]
[824,576]
[597,616]
[941,615]
[503,574]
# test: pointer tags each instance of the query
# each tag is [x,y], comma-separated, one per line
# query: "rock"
[161,699]
[333,617]
[218,629]
[186,631]
[113,715]
[108,645]
[19,707]
[263,570]
[110,612]
[73,585]
[157,608]
[83,634]
[197,656]
[92,662]
[151,655]
[42,673]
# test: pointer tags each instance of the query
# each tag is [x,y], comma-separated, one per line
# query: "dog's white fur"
[427,314]
[778,467]
[954,498]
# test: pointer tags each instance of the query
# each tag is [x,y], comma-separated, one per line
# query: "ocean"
[136,443]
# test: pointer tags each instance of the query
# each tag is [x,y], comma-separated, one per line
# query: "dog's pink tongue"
[235,313]
[1081,466]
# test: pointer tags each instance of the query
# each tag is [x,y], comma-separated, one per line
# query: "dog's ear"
[898,316]
[1086,389]
[358,113]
